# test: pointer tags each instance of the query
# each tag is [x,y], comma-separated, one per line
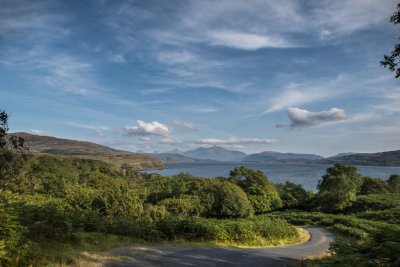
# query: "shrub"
[262,193]
[223,199]
[185,205]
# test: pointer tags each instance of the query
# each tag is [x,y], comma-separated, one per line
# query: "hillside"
[172,157]
[277,156]
[82,149]
[388,158]
[215,153]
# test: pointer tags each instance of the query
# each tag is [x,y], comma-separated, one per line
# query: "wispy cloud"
[246,41]
[147,128]
[297,96]
[236,141]
[386,129]
[39,132]
[229,143]
[90,127]
[185,126]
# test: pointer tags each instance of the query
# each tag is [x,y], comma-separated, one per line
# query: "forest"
[54,207]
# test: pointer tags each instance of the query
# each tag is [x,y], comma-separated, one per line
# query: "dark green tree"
[373,186]
[293,195]
[223,199]
[338,188]
[12,156]
[261,192]
[394,183]
[392,61]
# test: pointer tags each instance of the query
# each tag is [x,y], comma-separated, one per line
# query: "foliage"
[394,183]
[375,202]
[338,188]
[294,195]
[393,60]
[262,193]
[185,205]
[12,155]
[223,199]
[373,186]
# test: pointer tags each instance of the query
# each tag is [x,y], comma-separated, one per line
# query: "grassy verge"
[90,249]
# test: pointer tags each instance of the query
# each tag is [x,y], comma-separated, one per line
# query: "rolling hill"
[388,158]
[215,153]
[82,149]
[268,156]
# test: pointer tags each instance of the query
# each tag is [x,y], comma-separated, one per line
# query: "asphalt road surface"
[174,256]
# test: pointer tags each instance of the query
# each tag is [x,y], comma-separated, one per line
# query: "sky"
[258,75]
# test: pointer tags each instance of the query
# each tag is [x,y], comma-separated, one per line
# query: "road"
[174,256]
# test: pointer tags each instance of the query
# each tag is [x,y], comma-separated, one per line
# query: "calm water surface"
[304,174]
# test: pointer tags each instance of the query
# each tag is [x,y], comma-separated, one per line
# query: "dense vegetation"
[50,205]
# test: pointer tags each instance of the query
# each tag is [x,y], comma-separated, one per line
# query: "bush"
[375,202]
[294,195]
[185,205]
[262,193]
[223,199]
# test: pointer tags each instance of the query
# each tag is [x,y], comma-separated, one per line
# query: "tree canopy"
[262,193]
[392,61]
[338,188]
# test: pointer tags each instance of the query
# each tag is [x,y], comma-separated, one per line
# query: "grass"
[87,250]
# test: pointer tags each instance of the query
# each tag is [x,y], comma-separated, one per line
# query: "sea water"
[305,174]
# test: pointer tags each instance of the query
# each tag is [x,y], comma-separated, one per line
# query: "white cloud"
[39,132]
[167,141]
[391,102]
[90,127]
[294,97]
[246,41]
[304,118]
[118,58]
[183,125]
[236,141]
[200,110]
[147,128]
[173,57]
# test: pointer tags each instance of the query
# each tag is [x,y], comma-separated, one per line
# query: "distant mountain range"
[388,158]
[82,149]
[215,153]
[59,146]
[269,156]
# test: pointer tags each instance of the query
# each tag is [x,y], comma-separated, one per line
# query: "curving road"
[167,255]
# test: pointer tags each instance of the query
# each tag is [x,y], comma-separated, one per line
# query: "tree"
[394,183]
[223,199]
[393,61]
[338,188]
[12,155]
[373,186]
[261,192]
[293,195]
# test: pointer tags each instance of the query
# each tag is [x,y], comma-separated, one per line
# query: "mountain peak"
[215,153]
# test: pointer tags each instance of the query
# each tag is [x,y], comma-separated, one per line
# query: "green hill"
[388,158]
[82,149]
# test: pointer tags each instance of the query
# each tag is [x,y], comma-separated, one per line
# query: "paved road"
[174,256]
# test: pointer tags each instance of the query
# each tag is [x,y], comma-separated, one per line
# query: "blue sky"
[290,75]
